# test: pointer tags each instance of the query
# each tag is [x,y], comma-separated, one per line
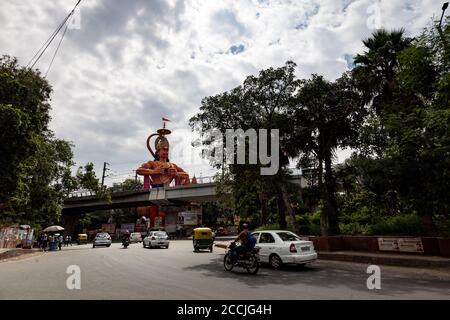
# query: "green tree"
[256,104]
[411,164]
[34,165]
[326,115]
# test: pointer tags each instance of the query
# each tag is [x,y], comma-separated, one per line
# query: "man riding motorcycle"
[247,241]
[126,237]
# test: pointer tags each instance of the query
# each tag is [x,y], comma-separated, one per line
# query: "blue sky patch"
[237,49]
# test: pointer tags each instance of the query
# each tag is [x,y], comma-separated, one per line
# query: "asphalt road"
[179,273]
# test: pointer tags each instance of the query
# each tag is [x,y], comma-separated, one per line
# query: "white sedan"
[278,247]
[156,239]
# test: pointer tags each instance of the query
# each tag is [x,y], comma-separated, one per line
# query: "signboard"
[127,226]
[401,244]
[189,218]
[109,228]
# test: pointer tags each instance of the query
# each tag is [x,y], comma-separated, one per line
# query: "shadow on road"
[322,275]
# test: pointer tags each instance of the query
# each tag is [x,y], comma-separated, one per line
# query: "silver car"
[156,239]
[102,239]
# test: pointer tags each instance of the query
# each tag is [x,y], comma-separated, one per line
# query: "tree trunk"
[263,201]
[288,206]
[281,212]
[324,224]
[331,203]
[426,217]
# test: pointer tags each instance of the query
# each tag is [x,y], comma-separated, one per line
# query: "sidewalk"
[393,259]
[7,253]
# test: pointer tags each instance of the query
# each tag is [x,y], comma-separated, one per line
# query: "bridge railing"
[88,193]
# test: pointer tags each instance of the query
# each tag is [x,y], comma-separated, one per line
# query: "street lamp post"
[444,7]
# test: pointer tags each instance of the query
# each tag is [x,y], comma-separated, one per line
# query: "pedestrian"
[70,240]
[44,242]
[51,242]
[60,241]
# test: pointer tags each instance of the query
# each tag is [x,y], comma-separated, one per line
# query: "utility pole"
[444,7]
[441,33]
[104,172]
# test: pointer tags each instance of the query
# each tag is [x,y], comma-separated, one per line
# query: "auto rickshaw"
[202,239]
[82,238]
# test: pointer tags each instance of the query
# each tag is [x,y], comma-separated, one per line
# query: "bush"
[401,224]
[274,226]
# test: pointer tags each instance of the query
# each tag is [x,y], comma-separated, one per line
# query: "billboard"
[189,218]
[127,226]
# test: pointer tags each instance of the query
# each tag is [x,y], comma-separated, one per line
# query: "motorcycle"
[248,260]
[125,243]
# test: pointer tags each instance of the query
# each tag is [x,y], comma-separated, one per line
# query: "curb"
[400,261]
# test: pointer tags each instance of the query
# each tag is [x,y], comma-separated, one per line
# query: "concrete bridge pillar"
[69,221]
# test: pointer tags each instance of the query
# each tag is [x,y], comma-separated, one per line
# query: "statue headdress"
[160,141]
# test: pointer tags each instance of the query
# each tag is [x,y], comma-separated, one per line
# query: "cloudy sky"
[124,65]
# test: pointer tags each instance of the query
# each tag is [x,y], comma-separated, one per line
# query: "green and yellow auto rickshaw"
[82,238]
[202,238]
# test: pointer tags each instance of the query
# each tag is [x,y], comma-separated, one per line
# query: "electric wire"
[57,48]
[47,43]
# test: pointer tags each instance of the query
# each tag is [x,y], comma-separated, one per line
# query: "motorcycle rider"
[247,243]
[126,237]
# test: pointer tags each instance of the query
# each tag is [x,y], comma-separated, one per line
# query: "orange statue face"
[163,153]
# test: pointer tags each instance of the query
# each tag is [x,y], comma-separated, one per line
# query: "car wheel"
[108,245]
[211,249]
[167,247]
[143,244]
[275,262]
[93,246]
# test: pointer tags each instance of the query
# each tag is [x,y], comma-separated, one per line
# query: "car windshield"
[288,236]
[160,234]
[102,235]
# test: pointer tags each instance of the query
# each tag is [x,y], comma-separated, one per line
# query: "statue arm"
[148,169]
[181,173]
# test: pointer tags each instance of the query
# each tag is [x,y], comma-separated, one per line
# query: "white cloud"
[133,62]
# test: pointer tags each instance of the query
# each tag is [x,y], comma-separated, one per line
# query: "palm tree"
[376,68]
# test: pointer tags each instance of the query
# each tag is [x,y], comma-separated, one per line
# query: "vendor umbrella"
[53,229]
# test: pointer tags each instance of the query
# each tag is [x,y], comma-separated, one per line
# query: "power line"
[57,48]
[47,43]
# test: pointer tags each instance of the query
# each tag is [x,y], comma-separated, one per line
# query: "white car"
[135,237]
[102,239]
[278,247]
[156,239]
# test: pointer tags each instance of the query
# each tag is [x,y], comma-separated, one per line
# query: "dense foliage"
[392,109]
